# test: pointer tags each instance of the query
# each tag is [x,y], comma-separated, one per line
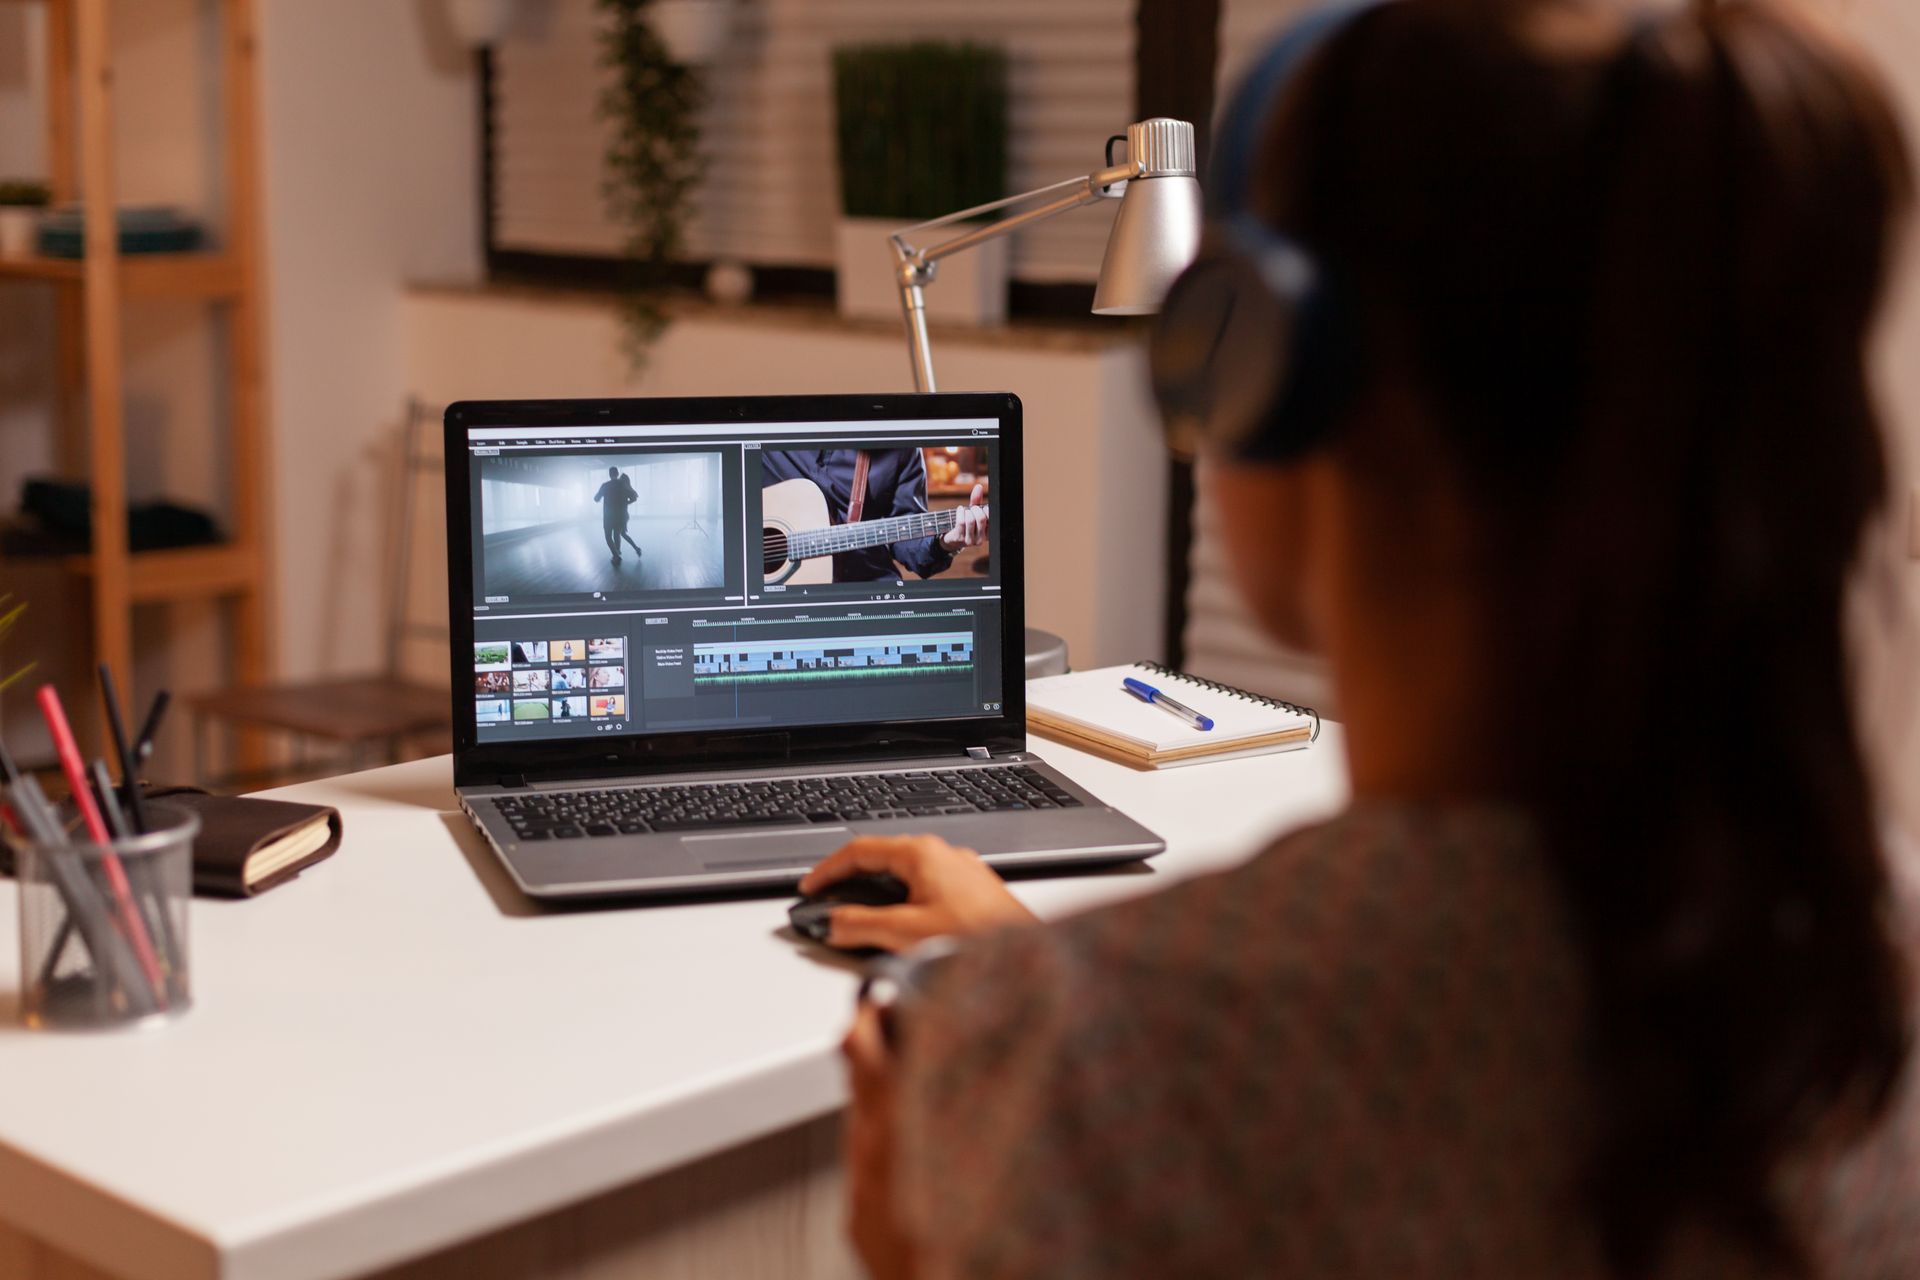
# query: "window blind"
[772,192]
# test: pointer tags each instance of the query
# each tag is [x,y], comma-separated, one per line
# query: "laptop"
[699,644]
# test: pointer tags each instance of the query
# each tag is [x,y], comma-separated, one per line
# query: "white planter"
[968,288]
[694,31]
[19,230]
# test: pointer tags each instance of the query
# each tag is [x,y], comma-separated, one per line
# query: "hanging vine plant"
[653,162]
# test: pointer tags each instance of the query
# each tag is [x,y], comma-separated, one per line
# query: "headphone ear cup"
[1251,353]
[1210,353]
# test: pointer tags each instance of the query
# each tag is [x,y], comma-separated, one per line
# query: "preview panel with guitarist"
[859,515]
[875,575]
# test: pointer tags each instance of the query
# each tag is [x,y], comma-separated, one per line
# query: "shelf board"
[186,573]
[142,275]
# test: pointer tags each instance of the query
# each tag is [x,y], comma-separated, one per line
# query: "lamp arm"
[1084,190]
[917,265]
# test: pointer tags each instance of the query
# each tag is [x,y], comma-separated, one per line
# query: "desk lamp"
[1154,237]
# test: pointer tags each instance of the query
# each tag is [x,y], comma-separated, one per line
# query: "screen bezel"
[540,760]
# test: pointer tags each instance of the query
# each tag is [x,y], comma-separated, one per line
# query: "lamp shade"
[1157,231]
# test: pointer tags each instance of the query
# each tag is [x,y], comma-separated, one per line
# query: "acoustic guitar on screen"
[800,538]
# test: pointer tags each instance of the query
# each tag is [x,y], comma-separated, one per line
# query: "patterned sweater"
[1358,1055]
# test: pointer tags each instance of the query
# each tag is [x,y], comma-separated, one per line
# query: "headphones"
[1256,351]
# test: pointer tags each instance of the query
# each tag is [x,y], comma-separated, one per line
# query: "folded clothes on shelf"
[58,519]
[143,229]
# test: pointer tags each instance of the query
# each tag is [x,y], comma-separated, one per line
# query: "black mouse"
[809,915]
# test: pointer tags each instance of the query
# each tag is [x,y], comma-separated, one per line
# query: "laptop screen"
[637,580]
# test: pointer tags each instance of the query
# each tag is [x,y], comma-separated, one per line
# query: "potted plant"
[20,207]
[653,160]
[922,132]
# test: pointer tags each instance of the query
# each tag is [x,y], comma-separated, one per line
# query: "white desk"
[396,1053]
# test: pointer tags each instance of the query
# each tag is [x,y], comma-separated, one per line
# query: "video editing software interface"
[671,579]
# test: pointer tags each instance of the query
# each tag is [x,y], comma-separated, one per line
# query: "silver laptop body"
[680,666]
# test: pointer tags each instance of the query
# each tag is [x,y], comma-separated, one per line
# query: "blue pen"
[1147,693]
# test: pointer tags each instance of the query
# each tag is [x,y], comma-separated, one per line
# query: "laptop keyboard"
[572,815]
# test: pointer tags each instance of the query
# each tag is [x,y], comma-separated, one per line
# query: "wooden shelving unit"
[89,295]
[149,275]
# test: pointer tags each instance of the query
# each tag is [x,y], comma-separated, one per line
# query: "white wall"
[372,135]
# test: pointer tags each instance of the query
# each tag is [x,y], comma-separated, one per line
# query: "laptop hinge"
[513,780]
[979,753]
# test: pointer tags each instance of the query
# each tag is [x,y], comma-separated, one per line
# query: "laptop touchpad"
[765,849]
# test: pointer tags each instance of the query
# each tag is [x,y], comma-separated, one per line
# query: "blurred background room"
[218,454]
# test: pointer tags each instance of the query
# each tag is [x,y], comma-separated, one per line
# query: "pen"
[124,748]
[143,870]
[108,800]
[1147,693]
[143,747]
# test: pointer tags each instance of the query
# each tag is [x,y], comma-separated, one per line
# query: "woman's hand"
[872,1218]
[950,891]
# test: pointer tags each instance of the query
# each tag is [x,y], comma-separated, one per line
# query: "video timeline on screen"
[786,671]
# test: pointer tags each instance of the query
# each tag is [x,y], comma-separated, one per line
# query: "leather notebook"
[247,846]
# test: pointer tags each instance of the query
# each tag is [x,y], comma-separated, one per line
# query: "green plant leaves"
[922,128]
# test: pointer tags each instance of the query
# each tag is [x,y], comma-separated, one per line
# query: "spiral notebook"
[1093,711]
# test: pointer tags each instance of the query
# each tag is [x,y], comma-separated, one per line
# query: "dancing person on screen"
[896,486]
[1604,970]
[616,495]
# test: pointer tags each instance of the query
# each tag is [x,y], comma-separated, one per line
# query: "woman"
[1600,975]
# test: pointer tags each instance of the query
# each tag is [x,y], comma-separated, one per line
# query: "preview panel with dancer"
[862,515]
[558,524]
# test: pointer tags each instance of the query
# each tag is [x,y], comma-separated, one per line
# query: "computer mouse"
[809,915]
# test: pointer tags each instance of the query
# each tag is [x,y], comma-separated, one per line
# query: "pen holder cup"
[103,928]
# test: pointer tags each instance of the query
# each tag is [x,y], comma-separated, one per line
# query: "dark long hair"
[1633,269]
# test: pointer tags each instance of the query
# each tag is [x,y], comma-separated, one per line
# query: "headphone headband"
[1255,349]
